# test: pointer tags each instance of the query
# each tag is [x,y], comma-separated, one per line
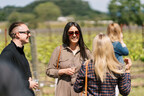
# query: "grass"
[139,91]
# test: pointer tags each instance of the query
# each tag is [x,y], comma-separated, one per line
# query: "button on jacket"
[67,60]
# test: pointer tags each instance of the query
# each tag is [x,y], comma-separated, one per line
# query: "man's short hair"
[12,26]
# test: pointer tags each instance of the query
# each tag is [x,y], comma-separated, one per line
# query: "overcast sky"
[100,5]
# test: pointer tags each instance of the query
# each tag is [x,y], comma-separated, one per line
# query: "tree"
[125,11]
[2,16]
[47,11]
[26,17]
[78,8]
[6,11]
[13,17]
[23,17]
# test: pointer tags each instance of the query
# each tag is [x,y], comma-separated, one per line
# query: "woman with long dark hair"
[69,58]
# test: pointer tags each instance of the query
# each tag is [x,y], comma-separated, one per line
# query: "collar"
[67,47]
[20,49]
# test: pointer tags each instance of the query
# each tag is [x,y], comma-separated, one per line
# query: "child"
[115,34]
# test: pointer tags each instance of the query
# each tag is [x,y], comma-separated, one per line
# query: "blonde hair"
[104,58]
[114,32]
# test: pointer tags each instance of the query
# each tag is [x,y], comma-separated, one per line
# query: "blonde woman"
[115,34]
[104,71]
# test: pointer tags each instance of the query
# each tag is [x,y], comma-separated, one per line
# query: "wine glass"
[73,68]
[37,81]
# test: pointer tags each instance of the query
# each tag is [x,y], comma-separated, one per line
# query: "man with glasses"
[14,54]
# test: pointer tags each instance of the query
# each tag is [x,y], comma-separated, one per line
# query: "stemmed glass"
[36,79]
[73,68]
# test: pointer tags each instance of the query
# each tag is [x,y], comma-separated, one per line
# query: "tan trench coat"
[67,60]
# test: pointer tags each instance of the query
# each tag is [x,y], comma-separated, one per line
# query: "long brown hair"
[80,42]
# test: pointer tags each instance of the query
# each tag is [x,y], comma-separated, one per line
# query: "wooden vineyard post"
[33,53]
[5,36]
[35,60]
[121,25]
[142,36]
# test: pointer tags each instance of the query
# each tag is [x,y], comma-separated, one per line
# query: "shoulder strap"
[86,77]
[59,55]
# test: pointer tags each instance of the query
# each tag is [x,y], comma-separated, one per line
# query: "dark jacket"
[11,83]
[15,55]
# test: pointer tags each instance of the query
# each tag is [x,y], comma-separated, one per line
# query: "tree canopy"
[126,11]
[77,8]
[47,11]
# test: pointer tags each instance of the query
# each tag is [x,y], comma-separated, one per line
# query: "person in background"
[73,53]
[104,71]
[14,53]
[115,34]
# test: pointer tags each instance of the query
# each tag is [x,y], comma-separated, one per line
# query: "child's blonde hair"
[114,32]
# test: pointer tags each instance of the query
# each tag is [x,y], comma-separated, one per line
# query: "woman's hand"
[67,71]
[128,64]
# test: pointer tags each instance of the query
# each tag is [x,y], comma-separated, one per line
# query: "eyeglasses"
[26,32]
[71,33]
